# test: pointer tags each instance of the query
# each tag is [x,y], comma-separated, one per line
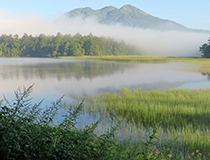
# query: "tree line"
[62,45]
[205,49]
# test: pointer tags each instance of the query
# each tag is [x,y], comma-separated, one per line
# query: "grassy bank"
[183,114]
[202,65]
[121,58]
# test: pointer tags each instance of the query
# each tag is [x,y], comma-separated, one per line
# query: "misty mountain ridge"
[130,16]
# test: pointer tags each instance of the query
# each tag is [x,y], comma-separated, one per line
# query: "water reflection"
[62,70]
[79,78]
[206,75]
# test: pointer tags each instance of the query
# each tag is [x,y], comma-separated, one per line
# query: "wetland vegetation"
[28,132]
[161,124]
[183,115]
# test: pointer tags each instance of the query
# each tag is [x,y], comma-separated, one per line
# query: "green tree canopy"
[205,49]
[61,45]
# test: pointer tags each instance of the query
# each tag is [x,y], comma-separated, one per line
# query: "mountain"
[129,16]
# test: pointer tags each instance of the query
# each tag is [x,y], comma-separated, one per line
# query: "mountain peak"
[128,6]
[108,7]
[132,9]
[127,15]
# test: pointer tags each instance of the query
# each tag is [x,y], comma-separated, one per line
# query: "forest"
[62,45]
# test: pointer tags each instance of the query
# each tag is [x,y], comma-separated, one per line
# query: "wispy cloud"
[149,42]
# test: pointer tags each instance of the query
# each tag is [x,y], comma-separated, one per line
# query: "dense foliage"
[205,49]
[27,132]
[61,45]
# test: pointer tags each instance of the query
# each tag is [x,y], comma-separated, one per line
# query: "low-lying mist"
[150,42]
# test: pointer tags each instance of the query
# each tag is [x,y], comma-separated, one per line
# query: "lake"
[53,78]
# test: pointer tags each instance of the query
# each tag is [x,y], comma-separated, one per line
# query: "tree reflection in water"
[67,70]
[207,75]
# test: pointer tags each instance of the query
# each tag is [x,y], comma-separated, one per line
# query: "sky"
[190,13]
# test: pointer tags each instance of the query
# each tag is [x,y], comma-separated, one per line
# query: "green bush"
[27,132]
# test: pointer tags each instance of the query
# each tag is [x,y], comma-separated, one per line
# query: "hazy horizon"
[150,42]
[193,14]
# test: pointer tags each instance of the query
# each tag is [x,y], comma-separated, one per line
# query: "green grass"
[132,58]
[202,64]
[182,113]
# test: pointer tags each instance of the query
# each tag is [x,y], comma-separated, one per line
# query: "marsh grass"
[184,114]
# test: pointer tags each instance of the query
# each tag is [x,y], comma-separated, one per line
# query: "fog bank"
[149,42]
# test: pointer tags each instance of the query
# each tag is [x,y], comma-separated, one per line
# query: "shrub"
[27,132]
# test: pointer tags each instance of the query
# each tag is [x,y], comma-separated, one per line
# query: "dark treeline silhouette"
[61,45]
[205,49]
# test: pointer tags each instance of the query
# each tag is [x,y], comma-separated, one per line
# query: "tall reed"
[183,113]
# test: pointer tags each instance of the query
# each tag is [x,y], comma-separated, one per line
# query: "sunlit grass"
[202,64]
[182,113]
[121,58]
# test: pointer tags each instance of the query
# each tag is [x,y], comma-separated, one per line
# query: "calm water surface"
[53,78]
[79,78]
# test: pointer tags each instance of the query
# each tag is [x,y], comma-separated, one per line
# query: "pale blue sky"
[190,13]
